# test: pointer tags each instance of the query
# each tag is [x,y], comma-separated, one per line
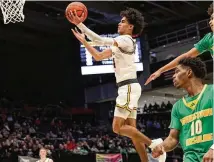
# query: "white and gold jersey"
[124,58]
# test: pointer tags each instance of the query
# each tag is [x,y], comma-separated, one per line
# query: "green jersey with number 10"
[193,117]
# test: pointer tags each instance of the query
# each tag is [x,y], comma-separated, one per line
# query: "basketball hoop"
[12,10]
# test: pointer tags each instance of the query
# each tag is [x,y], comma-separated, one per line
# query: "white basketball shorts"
[127,101]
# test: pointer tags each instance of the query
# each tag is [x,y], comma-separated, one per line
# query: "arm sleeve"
[95,38]
[203,44]
[125,44]
[175,120]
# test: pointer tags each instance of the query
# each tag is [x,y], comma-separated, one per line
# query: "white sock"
[155,142]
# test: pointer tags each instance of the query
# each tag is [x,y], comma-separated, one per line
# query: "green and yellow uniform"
[206,44]
[193,117]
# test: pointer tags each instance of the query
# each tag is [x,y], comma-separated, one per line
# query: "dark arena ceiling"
[40,59]
[46,15]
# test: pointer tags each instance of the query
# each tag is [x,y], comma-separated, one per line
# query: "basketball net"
[12,10]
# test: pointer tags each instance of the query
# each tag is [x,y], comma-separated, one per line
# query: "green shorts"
[193,157]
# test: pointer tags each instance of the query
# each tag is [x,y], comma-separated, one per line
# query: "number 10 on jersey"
[196,127]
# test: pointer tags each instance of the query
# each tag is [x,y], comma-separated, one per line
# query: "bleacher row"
[24,134]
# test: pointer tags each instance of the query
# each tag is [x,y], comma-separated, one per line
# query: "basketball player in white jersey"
[43,156]
[129,90]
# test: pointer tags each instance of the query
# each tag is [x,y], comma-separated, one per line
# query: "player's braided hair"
[197,66]
[135,18]
[210,9]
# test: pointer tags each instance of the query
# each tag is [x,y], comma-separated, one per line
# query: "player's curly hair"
[197,66]
[210,9]
[135,18]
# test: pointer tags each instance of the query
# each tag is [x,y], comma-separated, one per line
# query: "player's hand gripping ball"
[76,12]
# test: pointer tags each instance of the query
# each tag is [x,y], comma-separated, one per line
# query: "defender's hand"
[208,157]
[157,151]
[153,77]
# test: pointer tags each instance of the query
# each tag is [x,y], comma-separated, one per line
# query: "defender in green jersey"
[205,44]
[192,116]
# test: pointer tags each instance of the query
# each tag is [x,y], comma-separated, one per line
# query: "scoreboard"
[89,66]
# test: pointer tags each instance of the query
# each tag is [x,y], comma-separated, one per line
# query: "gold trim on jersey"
[199,139]
[197,115]
[193,104]
[126,106]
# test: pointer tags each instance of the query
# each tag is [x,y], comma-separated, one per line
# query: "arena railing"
[190,31]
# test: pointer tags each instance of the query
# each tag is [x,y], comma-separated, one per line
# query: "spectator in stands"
[150,108]
[32,131]
[169,106]
[71,145]
[94,149]
[163,106]
[43,156]
[37,121]
[157,125]
[145,108]
[21,141]
[61,147]
[149,123]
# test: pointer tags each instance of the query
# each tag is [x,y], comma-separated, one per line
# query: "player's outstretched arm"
[96,54]
[192,53]
[168,144]
[95,38]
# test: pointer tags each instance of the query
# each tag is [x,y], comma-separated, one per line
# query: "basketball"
[80,9]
